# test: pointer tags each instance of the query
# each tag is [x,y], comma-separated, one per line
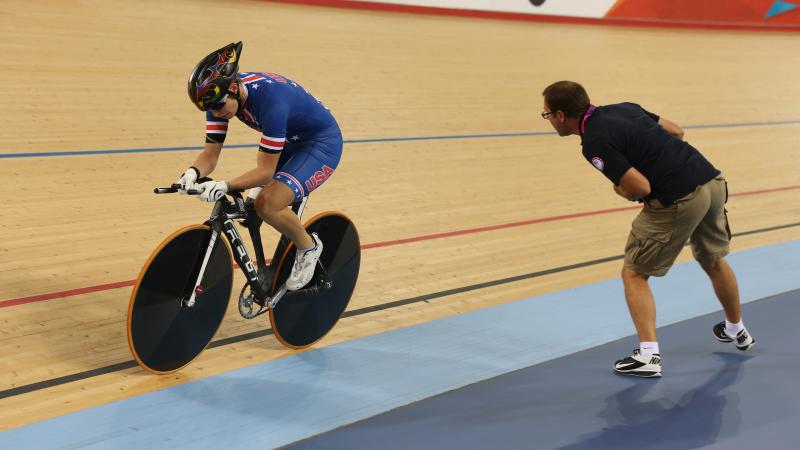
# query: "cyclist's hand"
[188,179]
[212,191]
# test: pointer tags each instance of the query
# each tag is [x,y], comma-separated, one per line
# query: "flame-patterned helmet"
[209,81]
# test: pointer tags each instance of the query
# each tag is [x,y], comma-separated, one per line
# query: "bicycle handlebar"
[173,189]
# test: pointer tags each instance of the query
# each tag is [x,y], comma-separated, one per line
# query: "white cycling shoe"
[304,265]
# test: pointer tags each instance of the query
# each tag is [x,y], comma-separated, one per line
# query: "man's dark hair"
[567,96]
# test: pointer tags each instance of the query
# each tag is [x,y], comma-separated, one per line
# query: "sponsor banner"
[769,13]
[571,8]
[762,15]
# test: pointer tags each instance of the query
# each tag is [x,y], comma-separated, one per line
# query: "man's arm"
[671,127]
[265,169]
[633,185]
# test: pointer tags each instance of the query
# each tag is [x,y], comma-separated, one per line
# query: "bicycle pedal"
[247,302]
[246,306]
[246,309]
[322,279]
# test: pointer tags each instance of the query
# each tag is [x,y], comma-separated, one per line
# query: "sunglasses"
[547,114]
[219,105]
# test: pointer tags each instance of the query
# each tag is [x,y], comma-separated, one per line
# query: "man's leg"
[710,243]
[646,360]
[640,303]
[726,287]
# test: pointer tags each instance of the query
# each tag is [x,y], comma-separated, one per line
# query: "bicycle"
[183,290]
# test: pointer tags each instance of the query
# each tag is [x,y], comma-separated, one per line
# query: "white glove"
[212,191]
[188,179]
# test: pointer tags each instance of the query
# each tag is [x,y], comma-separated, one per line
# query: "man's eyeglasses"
[547,114]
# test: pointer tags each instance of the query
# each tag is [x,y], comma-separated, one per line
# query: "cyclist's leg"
[308,168]
[296,175]
[272,206]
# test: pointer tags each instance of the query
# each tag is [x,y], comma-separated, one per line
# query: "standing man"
[684,197]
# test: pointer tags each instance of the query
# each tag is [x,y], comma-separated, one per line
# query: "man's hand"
[633,185]
[188,179]
[212,191]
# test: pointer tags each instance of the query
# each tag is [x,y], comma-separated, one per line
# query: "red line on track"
[69,293]
[765,191]
[427,237]
[497,227]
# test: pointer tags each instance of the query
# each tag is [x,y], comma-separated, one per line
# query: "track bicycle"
[182,292]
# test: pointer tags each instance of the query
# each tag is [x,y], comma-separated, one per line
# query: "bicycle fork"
[188,303]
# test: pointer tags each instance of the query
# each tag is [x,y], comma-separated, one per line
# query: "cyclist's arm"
[216,130]
[206,161]
[273,120]
[265,168]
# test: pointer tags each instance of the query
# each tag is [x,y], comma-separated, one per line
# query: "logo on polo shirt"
[598,162]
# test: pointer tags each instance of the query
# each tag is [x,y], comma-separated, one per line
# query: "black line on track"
[19,390]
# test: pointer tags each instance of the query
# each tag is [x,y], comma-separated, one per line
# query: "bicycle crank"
[246,303]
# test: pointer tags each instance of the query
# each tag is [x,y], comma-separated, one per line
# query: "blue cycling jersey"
[292,122]
[280,109]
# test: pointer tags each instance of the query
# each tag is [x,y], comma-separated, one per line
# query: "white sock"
[732,329]
[647,349]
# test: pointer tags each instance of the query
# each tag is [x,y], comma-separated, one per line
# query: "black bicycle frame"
[259,275]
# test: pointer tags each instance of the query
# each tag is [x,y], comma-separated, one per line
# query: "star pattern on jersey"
[311,114]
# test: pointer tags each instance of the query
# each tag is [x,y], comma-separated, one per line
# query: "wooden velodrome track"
[110,75]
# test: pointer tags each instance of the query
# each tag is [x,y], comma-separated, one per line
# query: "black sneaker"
[743,339]
[720,333]
[639,365]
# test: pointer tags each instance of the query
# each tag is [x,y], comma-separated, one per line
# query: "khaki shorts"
[659,233]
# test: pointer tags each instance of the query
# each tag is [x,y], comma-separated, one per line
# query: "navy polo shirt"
[618,137]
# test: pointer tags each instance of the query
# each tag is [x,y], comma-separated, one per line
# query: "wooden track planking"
[90,220]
